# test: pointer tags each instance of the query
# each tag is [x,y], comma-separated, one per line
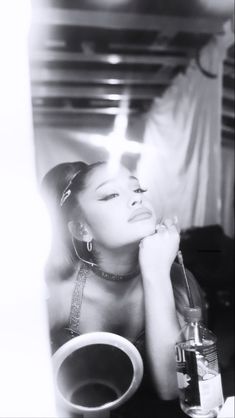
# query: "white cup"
[95,373]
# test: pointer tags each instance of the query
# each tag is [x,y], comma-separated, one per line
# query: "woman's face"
[115,208]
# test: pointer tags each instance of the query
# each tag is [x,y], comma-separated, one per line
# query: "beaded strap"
[76,304]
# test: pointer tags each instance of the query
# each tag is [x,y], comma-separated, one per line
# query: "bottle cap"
[192,314]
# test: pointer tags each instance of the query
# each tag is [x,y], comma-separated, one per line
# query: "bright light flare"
[26,382]
[107,142]
[116,143]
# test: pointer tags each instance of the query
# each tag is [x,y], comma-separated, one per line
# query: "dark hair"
[64,177]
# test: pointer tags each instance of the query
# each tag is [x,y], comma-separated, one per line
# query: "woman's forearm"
[156,255]
[162,329]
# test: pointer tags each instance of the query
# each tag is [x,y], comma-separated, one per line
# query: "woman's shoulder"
[58,271]
[60,290]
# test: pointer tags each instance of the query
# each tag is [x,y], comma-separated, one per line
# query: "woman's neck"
[118,261]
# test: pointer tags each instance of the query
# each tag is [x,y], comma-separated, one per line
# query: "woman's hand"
[158,251]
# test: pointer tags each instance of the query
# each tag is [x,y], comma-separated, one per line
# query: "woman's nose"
[135,199]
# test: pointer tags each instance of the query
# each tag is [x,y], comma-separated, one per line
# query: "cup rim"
[93,338]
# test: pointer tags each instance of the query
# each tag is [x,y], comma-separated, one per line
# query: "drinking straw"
[181,262]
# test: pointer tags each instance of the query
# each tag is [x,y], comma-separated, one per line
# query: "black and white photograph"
[117,209]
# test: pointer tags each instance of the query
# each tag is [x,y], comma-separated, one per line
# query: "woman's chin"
[148,230]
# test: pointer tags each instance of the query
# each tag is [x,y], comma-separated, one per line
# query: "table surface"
[147,405]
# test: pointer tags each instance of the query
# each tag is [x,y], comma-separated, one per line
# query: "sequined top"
[60,336]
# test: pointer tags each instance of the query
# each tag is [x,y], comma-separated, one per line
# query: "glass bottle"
[198,375]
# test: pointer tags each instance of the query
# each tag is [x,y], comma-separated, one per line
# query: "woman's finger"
[168,223]
[176,223]
[160,228]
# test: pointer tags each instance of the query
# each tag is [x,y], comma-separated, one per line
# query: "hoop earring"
[89,246]
[82,259]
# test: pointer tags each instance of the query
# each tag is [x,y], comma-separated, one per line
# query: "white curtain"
[181,160]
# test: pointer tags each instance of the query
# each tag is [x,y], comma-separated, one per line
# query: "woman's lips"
[139,215]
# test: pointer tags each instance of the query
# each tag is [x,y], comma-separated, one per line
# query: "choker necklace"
[113,277]
[103,274]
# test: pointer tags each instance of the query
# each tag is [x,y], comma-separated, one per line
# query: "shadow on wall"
[208,253]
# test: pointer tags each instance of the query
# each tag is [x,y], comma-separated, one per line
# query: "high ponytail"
[62,259]
[60,188]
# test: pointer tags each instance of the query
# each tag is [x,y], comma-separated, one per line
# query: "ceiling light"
[113,81]
[114,97]
[108,2]
[114,59]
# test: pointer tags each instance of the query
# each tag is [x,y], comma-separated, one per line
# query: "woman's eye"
[109,196]
[140,190]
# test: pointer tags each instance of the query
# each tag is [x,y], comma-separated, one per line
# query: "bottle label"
[186,367]
[198,376]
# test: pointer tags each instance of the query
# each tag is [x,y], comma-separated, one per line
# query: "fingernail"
[168,222]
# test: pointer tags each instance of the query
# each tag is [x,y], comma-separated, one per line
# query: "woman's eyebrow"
[133,178]
[102,184]
[111,180]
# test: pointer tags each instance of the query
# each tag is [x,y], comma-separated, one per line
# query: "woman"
[112,265]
